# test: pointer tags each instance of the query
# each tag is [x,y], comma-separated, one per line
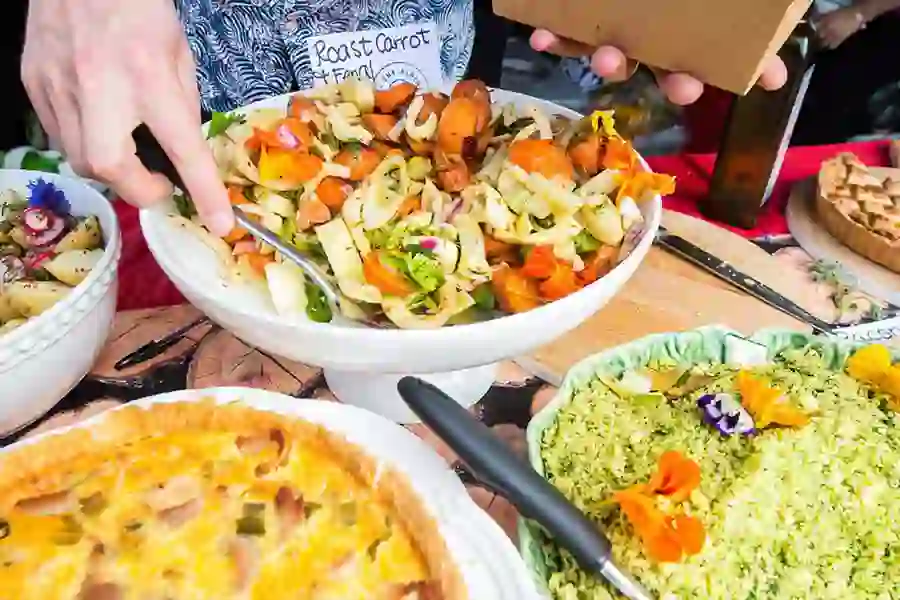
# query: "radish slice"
[37,220]
[49,237]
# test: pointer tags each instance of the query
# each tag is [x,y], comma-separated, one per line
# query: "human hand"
[835,27]
[611,64]
[95,70]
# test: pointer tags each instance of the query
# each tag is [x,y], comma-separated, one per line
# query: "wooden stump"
[223,360]
[134,329]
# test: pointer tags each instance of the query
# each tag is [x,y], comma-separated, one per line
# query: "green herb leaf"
[484,297]
[35,161]
[317,308]
[585,242]
[220,122]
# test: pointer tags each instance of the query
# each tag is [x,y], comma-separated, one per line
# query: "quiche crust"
[55,463]
[847,195]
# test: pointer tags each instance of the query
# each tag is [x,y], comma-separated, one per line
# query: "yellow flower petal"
[869,363]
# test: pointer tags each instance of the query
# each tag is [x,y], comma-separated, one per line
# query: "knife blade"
[716,266]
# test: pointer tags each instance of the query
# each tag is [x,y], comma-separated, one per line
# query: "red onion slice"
[286,137]
[37,220]
[49,237]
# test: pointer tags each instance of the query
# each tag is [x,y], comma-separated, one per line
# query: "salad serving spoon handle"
[155,159]
[495,465]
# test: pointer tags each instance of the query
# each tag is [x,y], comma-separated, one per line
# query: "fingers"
[177,128]
[680,88]
[611,64]
[68,127]
[545,41]
[187,74]
[774,74]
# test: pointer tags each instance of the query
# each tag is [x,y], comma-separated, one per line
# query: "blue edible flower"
[47,196]
[725,414]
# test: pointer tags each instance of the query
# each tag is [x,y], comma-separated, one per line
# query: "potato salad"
[45,251]
[426,209]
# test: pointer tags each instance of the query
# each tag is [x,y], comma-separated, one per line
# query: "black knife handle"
[149,151]
[495,465]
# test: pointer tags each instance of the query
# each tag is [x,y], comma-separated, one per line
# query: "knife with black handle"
[724,271]
[495,465]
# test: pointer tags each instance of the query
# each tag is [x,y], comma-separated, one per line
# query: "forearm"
[872,9]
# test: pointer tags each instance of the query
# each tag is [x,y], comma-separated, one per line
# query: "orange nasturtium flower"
[666,538]
[872,365]
[767,404]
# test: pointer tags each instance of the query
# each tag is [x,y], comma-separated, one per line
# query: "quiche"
[860,210]
[196,501]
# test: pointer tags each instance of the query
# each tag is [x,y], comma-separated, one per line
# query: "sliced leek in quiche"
[191,501]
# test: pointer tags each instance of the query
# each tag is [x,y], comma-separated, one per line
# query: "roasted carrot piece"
[409,206]
[301,107]
[311,212]
[454,178]
[586,154]
[361,162]
[514,291]
[389,100]
[478,92]
[676,476]
[560,284]
[333,191]
[459,122]
[434,104]
[541,156]
[299,129]
[259,261]
[379,125]
[235,235]
[540,263]
[304,167]
[598,264]
[498,251]
[236,195]
[387,280]
[261,138]
[420,147]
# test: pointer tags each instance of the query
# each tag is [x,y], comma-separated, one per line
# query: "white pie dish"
[41,361]
[362,365]
[486,558]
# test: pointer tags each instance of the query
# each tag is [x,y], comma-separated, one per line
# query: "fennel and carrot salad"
[426,208]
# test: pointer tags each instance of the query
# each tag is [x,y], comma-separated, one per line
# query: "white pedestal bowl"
[363,365]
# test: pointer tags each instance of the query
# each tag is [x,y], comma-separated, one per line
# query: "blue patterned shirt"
[247,50]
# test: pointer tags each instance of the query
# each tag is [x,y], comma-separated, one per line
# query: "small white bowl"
[362,366]
[41,361]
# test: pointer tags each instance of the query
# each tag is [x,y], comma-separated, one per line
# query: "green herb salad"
[798,488]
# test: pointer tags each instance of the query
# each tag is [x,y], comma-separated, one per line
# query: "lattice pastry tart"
[192,501]
[861,210]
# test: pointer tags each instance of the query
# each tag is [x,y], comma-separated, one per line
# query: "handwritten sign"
[411,53]
[886,331]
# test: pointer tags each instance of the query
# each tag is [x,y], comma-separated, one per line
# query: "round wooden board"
[812,237]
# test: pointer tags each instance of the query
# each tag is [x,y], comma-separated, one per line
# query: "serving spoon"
[152,155]
[495,466]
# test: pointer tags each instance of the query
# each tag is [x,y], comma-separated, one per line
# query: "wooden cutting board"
[668,294]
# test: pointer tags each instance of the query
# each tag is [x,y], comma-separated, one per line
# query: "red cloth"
[142,284]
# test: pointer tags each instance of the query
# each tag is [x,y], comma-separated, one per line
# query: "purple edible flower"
[47,196]
[725,414]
